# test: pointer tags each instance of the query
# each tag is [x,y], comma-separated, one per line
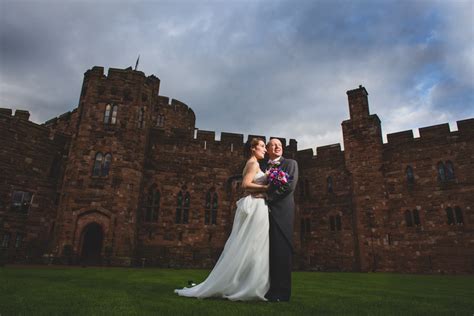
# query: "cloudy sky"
[274,68]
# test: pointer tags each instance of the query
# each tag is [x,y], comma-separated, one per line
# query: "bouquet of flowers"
[279,179]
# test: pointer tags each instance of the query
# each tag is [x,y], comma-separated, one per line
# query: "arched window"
[207,208]
[332,223]
[19,240]
[458,213]
[108,109]
[335,223]
[441,172]
[21,201]
[106,164]
[410,175]
[330,187]
[187,201]
[153,204]
[98,165]
[113,120]
[179,207]
[450,215]
[449,170]
[412,218]
[6,240]
[305,230]
[182,207]
[416,218]
[160,121]
[408,218]
[101,165]
[338,223]
[214,209]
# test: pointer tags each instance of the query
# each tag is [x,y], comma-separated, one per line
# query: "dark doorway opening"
[92,239]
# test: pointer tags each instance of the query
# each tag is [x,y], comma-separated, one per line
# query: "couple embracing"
[256,261]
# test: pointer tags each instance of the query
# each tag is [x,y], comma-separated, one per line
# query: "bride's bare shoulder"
[250,165]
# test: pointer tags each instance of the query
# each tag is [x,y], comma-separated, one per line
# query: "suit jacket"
[282,205]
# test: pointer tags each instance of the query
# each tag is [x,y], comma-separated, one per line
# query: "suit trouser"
[280,264]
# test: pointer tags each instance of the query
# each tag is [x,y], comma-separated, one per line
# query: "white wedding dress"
[242,271]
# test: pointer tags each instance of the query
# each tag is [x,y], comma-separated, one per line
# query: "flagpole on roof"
[136,64]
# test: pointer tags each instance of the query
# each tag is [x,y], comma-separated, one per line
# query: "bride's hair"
[252,143]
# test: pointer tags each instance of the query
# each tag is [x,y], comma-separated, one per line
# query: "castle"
[127,179]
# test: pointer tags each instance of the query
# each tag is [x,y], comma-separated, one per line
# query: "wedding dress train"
[242,271]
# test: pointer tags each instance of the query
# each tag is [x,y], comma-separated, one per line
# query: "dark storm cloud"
[262,67]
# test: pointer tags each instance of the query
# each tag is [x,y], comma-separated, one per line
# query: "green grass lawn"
[120,291]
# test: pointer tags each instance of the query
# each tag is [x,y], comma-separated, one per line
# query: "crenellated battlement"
[121,74]
[231,138]
[210,139]
[432,133]
[19,114]
[400,137]
[175,105]
[63,118]
[95,78]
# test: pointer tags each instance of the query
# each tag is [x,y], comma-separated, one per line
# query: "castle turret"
[105,166]
[364,160]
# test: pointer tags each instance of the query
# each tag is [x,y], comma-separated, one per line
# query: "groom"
[282,206]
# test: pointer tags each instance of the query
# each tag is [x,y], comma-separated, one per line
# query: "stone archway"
[92,242]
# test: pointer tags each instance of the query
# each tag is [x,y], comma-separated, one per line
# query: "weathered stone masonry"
[126,178]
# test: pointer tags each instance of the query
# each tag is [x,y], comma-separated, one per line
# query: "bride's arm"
[248,185]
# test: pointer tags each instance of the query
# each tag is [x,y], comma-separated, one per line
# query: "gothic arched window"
[410,175]
[305,230]
[182,207]
[187,201]
[338,222]
[110,115]
[214,206]
[101,165]
[97,171]
[330,187]
[207,208]
[458,213]
[408,218]
[441,171]
[450,215]
[160,121]
[335,223]
[416,217]
[179,207]
[412,218]
[449,170]
[106,164]
[113,119]
[153,204]
[108,109]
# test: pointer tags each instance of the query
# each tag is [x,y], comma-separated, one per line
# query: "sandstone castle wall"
[166,196]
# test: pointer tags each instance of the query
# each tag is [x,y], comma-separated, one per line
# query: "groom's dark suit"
[282,206]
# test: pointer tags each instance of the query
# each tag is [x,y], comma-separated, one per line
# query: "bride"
[242,271]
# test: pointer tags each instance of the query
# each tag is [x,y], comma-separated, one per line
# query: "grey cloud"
[276,68]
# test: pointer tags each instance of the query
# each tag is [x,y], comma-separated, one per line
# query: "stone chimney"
[358,103]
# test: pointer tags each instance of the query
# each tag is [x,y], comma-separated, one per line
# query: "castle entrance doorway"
[92,238]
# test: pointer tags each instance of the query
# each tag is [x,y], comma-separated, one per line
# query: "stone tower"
[103,177]
[363,150]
